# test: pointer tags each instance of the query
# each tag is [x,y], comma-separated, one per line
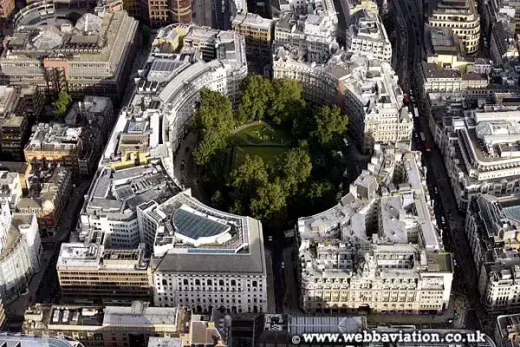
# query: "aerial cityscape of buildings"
[109,235]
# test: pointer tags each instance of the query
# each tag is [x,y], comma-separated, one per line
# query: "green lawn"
[262,134]
[260,140]
[268,154]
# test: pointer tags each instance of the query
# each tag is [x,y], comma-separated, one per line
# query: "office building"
[352,82]
[447,79]
[136,324]
[180,11]
[158,13]
[258,34]
[92,57]
[135,198]
[507,330]
[310,34]
[103,275]
[7,339]
[480,154]
[116,326]
[492,228]
[367,36]
[184,234]
[23,169]
[501,43]
[114,219]
[6,10]
[95,116]
[461,17]
[379,249]
[75,148]
[11,189]
[444,48]
[513,5]
[19,108]
[20,249]
[53,144]
[48,193]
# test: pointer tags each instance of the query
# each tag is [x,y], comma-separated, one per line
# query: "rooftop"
[117,193]
[404,213]
[140,315]
[9,340]
[235,245]
[81,255]
[165,342]
[93,38]
[54,137]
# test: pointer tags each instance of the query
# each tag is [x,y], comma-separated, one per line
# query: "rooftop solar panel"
[195,227]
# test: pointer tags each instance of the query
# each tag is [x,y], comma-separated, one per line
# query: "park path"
[247,125]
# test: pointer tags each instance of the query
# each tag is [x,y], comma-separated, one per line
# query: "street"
[468,313]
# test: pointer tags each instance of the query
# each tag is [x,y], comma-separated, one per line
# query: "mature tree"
[244,181]
[251,173]
[269,204]
[213,122]
[61,105]
[287,100]
[303,123]
[294,168]
[257,92]
[210,143]
[321,190]
[215,114]
[329,124]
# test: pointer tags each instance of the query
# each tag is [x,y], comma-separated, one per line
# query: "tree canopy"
[257,91]
[329,124]
[287,100]
[294,168]
[61,105]
[300,180]
[214,121]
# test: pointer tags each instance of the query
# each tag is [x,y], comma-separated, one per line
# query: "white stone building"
[204,258]
[20,252]
[201,258]
[482,153]
[366,90]
[11,188]
[493,230]
[378,250]
[309,28]
[462,17]
[367,36]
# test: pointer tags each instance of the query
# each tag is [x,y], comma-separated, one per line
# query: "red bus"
[406,100]
[427,146]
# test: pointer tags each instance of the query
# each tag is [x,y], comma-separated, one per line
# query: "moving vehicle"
[406,100]
[423,138]
[416,112]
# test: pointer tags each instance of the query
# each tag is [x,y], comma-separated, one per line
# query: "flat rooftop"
[140,315]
